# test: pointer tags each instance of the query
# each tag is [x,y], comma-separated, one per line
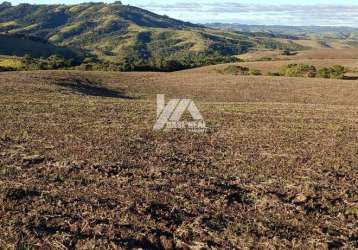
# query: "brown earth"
[81,167]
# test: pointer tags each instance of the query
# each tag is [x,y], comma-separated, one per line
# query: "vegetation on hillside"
[52,62]
[299,70]
[122,37]
[28,62]
[334,72]
[291,70]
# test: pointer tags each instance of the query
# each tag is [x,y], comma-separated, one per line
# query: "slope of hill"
[129,35]
[19,45]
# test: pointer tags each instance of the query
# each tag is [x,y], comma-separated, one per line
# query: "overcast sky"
[278,12]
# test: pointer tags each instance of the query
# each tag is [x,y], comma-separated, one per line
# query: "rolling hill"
[282,29]
[308,36]
[131,36]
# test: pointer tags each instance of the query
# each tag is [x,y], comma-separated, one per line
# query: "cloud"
[319,14]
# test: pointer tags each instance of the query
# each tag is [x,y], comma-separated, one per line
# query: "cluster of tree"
[291,70]
[133,62]
[3,69]
[93,64]
[304,70]
[334,72]
[148,62]
[299,70]
[50,63]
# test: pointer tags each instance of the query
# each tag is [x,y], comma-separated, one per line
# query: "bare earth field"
[81,167]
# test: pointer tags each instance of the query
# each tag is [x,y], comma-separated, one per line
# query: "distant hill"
[311,37]
[129,35]
[328,32]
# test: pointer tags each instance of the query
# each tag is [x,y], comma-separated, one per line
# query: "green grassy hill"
[129,35]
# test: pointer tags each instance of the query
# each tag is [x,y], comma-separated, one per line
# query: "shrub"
[324,73]
[338,71]
[265,58]
[286,52]
[299,70]
[255,72]
[334,72]
[235,70]
[57,62]
[28,61]
[274,74]
[50,63]
[2,69]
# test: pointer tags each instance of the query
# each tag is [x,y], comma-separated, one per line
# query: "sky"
[267,12]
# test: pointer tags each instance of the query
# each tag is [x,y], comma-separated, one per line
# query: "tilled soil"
[81,168]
